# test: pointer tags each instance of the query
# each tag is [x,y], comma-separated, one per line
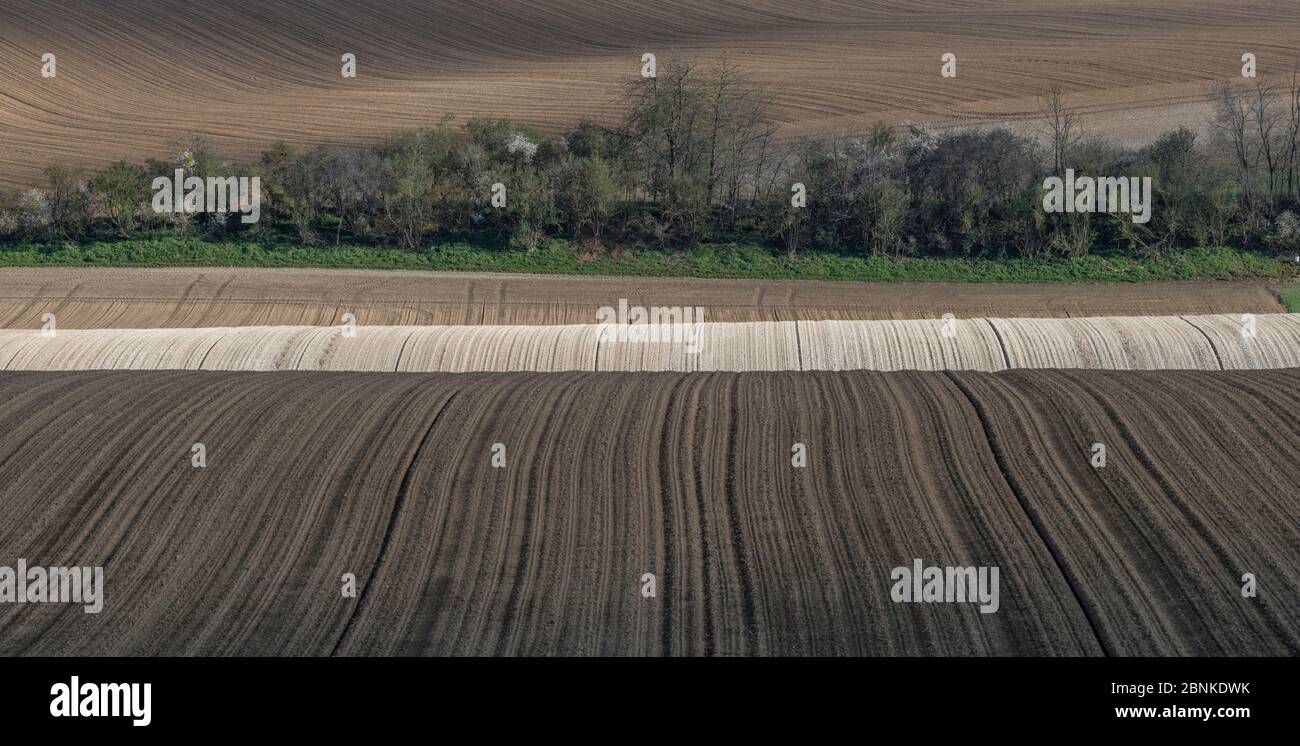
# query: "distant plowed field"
[689,477]
[1225,342]
[177,298]
[137,76]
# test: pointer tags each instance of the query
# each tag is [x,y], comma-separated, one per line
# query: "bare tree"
[737,127]
[1266,118]
[1064,130]
[1291,140]
[697,134]
[1232,129]
[722,91]
[747,131]
[664,117]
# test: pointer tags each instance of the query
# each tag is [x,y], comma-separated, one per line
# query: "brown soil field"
[136,77]
[150,298]
[687,476]
[1105,343]
[1162,532]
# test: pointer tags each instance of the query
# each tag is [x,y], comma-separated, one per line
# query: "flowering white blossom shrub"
[519,145]
[33,211]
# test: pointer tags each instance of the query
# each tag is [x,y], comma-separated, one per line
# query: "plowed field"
[687,476]
[135,77]
[150,298]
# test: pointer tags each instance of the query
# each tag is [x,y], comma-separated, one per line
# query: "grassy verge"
[1291,298]
[709,260]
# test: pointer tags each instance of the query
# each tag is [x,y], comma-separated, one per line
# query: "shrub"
[68,202]
[586,196]
[121,192]
[9,215]
[1284,237]
[34,215]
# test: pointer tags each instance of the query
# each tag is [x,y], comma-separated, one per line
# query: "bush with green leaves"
[586,195]
[121,193]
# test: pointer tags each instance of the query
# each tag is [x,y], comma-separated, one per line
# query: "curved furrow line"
[535,537]
[668,518]
[733,465]
[1176,487]
[1068,573]
[1162,532]
[390,529]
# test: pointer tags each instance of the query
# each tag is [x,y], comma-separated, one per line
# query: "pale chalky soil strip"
[1102,343]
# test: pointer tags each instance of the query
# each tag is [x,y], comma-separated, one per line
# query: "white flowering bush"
[520,146]
[8,217]
[34,211]
[1285,235]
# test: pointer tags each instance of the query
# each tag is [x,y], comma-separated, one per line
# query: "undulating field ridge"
[687,476]
[1106,343]
[177,298]
[136,77]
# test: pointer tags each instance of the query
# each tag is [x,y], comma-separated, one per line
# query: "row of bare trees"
[701,141]
[1260,127]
